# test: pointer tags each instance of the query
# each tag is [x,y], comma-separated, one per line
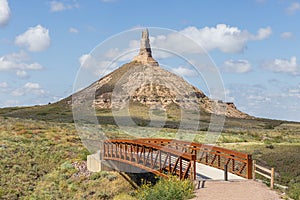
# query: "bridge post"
[225,172]
[193,167]
[249,166]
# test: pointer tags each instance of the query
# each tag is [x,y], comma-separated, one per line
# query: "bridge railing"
[151,157]
[237,163]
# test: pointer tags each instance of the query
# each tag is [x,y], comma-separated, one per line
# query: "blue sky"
[254,43]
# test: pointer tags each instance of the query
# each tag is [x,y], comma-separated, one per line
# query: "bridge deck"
[212,173]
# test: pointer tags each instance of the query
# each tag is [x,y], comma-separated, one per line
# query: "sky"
[254,44]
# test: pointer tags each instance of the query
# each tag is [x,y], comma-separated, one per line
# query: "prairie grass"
[35,159]
[37,145]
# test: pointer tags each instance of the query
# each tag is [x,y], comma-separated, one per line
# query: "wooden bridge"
[164,156]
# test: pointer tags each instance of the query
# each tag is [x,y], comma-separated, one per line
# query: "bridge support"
[96,164]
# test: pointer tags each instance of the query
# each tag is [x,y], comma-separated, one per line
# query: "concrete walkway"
[235,190]
[211,173]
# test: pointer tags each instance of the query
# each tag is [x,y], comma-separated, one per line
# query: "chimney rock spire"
[145,55]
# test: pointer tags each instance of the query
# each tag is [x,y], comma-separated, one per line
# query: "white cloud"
[10,103]
[262,33]
[30,85]
[4,12]
[73,30]
[228,97]
[34,39]
[280,102]
[237,66]
[57,6]
[283,66]
[97,66]
[293,8]
[18,63]
[184,71]
[286,35]
[21,74]
[223,37]
[3,84]
[29,88]
[84,58]
[294,92]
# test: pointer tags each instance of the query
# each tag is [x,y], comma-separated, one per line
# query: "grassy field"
[39,145]
[36,159]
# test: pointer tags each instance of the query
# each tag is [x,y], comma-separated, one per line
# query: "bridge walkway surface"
[235,190]
[204,172]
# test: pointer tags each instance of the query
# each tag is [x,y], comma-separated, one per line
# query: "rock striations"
[145,82]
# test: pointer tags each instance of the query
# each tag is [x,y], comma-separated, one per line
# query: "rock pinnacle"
[145,54]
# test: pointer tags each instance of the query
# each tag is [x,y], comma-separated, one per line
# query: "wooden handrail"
[269,173]
[238,163]
[151,157]
[194,145]
[231,155]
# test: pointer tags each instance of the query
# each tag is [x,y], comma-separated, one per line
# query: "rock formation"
[145,54]
[145,82]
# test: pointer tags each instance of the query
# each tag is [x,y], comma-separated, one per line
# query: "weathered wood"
[264,175]
[264,169]
[254,169]
[265,172]
[272,178]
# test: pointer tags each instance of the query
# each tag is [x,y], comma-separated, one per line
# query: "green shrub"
[84,153]
[294,191]
[111,177]
[167,189]
[269,126]
[66,165]
[98,175]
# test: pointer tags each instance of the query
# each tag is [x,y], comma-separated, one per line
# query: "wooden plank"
[269,177]
[175,164]
[263,168]
[186,170]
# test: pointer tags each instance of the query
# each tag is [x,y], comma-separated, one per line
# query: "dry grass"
[32,154]
[34,147]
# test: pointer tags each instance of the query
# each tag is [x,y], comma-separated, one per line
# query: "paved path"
[211,173]
[235,190]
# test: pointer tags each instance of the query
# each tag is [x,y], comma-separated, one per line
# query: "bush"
[111,177]
[167,189]
[98,175]
[66,166]
[294,191]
